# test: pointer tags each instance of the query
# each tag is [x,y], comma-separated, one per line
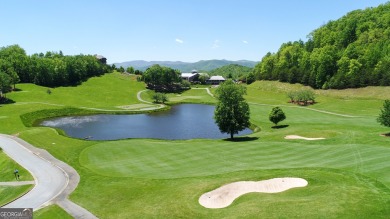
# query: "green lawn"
[7,167]
[348,172]
[9,193]
[50,212]
[109,91]
[189,96]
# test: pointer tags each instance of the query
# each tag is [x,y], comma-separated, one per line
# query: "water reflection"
[185,121]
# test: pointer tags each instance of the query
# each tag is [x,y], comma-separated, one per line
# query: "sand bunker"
[225,195]
[300,137]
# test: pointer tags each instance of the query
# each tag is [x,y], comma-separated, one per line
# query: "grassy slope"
[107,92]
[9,193]
[347,173]
[50,212]
[7,167]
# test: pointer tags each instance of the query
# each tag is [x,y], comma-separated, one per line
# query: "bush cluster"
[160,98]
[302,97]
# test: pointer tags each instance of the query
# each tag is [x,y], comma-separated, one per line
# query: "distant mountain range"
[203,65]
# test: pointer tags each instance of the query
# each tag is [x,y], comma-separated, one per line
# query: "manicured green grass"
[9,193]
[348,172]
[109,91]
[7,167]
[189,96]
[330,194]
[166,160]
[50,212]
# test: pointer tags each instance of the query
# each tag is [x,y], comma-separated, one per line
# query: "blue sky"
[166,30]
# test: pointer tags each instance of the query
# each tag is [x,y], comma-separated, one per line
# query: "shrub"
[160,98]
[276,115]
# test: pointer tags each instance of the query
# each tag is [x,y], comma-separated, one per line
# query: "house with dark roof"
[102,59]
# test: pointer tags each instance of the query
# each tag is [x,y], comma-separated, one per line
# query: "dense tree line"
[51,69]
[353,51]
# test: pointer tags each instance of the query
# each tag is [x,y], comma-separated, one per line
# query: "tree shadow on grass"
[240,139]
[280,126]
[6,101]
[386,134]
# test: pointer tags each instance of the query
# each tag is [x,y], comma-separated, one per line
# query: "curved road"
[54,179]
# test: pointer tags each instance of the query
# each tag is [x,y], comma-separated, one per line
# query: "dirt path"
[54,180]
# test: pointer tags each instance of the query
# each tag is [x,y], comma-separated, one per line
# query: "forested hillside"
[51,69]
[353,51]
[231,71]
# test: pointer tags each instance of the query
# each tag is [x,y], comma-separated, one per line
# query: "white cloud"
[244,41]
[215,44]
[179,40]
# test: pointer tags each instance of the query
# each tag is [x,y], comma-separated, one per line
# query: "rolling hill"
[234,70]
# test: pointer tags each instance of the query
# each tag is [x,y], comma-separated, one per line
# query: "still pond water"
[185,121]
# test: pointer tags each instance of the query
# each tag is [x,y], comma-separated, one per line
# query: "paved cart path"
[54,179]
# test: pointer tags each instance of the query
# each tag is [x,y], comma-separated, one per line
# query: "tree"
[162,78]
[203,78]
[121,69]
[5,83]
[14,77]
[232,111]
[130,70]
[384,116]
[250,78]
[276,115]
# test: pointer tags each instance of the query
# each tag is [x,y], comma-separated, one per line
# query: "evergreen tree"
[276,115]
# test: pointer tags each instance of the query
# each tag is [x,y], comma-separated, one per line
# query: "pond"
[184,121]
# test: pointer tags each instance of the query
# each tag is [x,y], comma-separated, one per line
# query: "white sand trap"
[225,195]
[300,137]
